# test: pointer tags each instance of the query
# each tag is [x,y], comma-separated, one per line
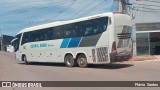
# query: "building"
[6,41]
[147,25]
[145,15]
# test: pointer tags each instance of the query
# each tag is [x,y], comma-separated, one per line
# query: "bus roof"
[57,23]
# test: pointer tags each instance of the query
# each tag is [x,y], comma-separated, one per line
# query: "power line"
[60,12]
[65,9]
[146,5]
[43,5]
[148,8]
[82,9]
[33,9]
[46,5]
[22,3]
[148,11]
[149,1]
[98,7]
[92,9]
[29,1]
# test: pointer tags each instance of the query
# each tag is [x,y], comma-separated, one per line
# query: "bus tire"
[69,60]
[82,61]
[25,60]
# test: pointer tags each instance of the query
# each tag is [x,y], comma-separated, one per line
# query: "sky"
[147,10]
[16,15]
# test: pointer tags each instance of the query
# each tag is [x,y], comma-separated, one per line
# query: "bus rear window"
[99,25]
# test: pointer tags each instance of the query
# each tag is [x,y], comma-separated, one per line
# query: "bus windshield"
[16,42]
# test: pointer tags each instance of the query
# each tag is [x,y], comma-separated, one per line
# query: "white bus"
[98,39]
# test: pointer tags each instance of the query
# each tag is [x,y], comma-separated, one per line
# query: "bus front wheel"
[25,59]
[69,61]
[82,61]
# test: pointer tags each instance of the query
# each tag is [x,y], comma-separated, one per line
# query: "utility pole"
[120,6]
[123,6]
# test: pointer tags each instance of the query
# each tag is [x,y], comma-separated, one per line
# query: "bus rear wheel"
[82,61]
[69,61]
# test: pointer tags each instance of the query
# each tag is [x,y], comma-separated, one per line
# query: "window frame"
[17,42]
[75,28]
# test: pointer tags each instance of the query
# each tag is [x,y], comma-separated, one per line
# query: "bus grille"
[93,55]
[124,35]
[101,54]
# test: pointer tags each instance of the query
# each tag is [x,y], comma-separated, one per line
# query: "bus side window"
[69,31]
[48,33]
[103,22]
[33,37]
[28,36]
[95,26]
[41,35]
[45,34]
[58,32]
[37,36]
[85,28]
[52,33]
[25,38]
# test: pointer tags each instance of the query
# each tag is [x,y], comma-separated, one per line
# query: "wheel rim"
[69,61]
[82,61]
[25,60]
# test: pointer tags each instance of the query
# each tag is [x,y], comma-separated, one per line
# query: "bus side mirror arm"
[13,40]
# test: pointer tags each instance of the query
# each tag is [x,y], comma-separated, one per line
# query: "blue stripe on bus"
[74,42]
[65,43]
